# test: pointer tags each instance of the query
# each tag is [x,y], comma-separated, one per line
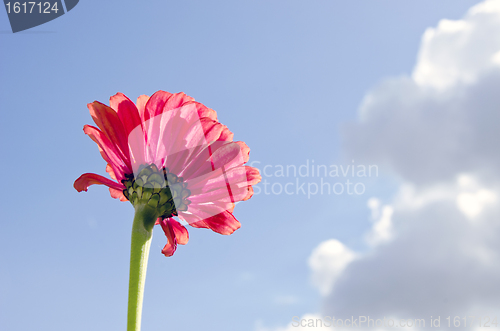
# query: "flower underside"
[158,189]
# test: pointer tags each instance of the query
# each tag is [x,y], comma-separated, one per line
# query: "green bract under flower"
[158,189]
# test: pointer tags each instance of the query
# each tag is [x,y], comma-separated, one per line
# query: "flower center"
[159,189]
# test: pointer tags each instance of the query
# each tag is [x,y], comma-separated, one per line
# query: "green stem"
[142,233]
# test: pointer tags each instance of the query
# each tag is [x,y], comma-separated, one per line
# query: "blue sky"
[297,81]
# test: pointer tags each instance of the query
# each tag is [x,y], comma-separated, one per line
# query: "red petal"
[223,223]
[113,156]
[141,105]
[181,233]
[155,104]
[176,234]
[126,110]
[84,181]
[109,123]
[169,250]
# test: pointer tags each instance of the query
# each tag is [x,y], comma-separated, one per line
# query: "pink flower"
[170,152]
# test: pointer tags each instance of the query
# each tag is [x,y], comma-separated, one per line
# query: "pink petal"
[163,131]
[162,101]
[161,126]
[84,181]
[249,194]
[177,162]
[177,100]
[204,111]
[230,154]
[228,186]
[196,137]
[226,134]
[110,171]
[217,155]
[117,194]
[253,175]
[211,129]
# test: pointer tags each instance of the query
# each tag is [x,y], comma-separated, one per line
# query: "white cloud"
[434,249]
[443,119]
[459,51]
[438,130]
[491,6]
[438,263]
[382,230]
[327,263]
[473,199]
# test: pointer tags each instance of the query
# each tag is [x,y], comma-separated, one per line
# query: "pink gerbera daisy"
[169,153]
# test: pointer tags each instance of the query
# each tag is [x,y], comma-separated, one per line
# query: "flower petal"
[109,170]
[253,175]
[155,104]
[162,101]
[113,156]
[84,181]
[253,178]
[109,123]
[176,234]
[226,134]
[127,112]
[220,154]
[141,105]
[249,194]
[176,130]
[181,233]
[177,100]
[223,223]
[204,111]
[197,136]
[117,194]
[230,154]
[221,185]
